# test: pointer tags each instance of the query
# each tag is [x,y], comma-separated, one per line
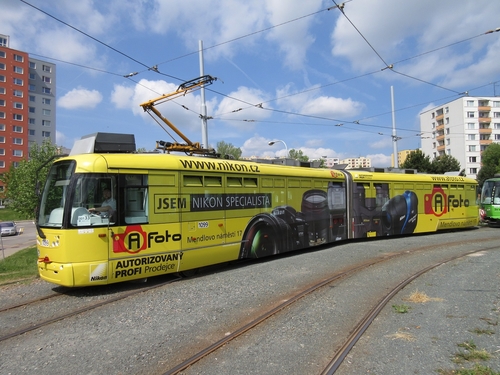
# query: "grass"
[420,297]
[477,370]
[19,266]
[471,353]
[401,309]
[7,214]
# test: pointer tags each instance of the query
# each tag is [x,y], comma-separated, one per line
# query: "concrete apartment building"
[27,104]
[462,128]
[354,163]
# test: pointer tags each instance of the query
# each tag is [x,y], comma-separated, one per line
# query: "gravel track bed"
[153,331]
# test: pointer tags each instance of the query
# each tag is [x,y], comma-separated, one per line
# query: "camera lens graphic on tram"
[323,218]
[320,220]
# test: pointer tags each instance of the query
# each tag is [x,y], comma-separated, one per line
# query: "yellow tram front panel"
[75,257]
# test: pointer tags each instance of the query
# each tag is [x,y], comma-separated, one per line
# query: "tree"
[298,155]
[417,160]
[20,182]
[443,164]
[490,161]
[224,149]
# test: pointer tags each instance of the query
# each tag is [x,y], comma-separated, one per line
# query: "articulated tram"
[174,213]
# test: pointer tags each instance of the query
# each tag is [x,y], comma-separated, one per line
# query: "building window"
[31,131]
[32,121]
[2,114]
[471,137]
[32,110]
[15,164]
[473,170]
[2,151]
[32,87]
[496,114]
[18,69]
[18,81]
[447,141]
[470,103]
[46,112]
[46,101]
[18,93]
[470,114]
[45,134]
[17,153]
[17,129]
[2,139]
[2,54]
[17,117]
[447,120]
[471,125]
[18,58]
[17,141]
[2,164]
[46,79]
[471,148]
[2,78]
[497,137]
[2,90]
[32,98]
[472,159]
[2,66]
[32,76]
[496,125]
[46,68]
[2,127]
[496,103]
[45,123]
[18,105]
[46,90]
[2,103]
[32,65]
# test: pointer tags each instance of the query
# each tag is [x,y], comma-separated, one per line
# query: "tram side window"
[136,199]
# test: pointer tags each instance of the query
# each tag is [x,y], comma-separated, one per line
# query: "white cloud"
[80,98]
[309,103]
[243,104]
[122,96]
[380,160]
[400,30]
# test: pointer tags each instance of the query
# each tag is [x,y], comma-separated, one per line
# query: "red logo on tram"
[436,203]
[133,240]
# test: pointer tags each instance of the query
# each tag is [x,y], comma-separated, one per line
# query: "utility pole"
[394,136]
[204,131]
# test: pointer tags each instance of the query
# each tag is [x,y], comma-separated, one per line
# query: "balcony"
[440,127]
[484,108]
[485,142]
[484,130]
[440,117]
[483,120]
[441,148]
[440,138]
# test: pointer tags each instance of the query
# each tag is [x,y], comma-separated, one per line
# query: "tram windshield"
[55,194]
[490,193]
[75,200]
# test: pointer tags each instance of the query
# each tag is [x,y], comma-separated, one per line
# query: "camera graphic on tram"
[323,218]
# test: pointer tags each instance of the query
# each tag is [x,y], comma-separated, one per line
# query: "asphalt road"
[10,244]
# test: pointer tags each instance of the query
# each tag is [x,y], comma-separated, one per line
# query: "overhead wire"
[260,105]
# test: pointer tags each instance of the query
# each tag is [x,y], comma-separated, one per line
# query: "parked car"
[9,228]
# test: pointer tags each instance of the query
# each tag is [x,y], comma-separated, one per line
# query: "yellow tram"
[174,213]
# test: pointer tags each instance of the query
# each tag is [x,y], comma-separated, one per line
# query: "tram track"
[81,310]
[203,315]
[356,332]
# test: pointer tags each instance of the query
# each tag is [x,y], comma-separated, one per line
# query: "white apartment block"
[354,163]
[462,128]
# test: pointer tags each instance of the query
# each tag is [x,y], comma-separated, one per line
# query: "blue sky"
[298,71]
